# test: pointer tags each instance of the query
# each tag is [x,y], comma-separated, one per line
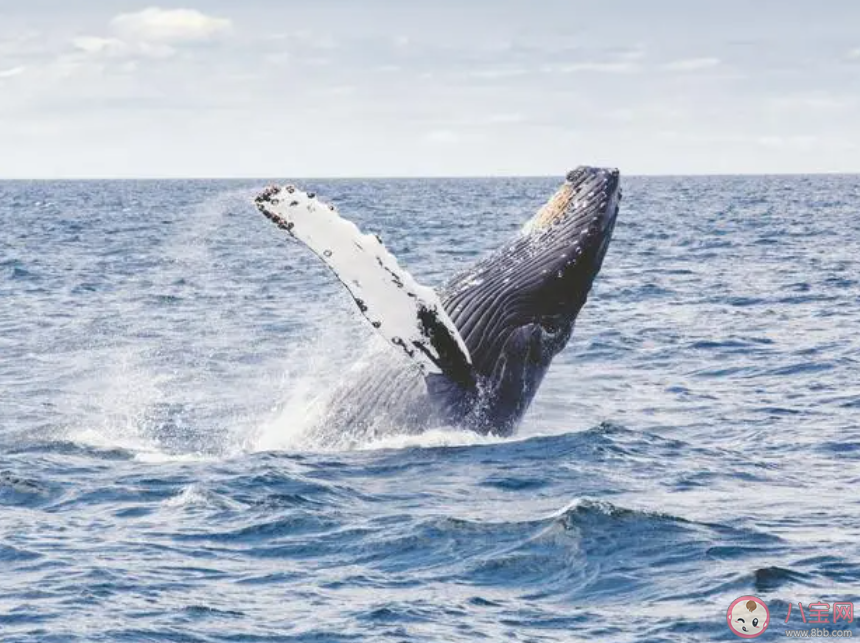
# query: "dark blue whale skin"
[515,310]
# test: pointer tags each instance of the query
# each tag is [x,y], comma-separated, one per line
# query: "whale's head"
[562,248]
[516,309]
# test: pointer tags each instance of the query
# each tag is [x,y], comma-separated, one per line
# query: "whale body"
[473,353]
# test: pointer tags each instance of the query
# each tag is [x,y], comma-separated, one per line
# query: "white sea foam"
[441,437]
[124,379]
[190,495]
[195,495]
[111,404]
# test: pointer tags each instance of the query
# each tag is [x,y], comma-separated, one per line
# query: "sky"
[328,88]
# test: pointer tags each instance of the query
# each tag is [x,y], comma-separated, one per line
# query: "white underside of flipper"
[410,316]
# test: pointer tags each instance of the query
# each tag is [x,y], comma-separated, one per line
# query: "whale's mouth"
[589,195]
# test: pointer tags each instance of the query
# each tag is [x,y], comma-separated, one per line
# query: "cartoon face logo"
[748,617]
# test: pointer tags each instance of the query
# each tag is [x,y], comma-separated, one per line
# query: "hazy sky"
[102,88]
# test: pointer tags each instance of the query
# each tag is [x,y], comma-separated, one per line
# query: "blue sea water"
[162,348]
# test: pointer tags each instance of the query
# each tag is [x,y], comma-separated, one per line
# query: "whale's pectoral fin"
[410,316]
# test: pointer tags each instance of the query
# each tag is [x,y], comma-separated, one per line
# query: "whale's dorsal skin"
[479,348]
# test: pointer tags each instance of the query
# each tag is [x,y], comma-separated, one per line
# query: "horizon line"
[381,177]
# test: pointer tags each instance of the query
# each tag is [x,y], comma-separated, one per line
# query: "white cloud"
[800,142]
[633,54]
[25,43]
[305,38]
[622,114]
[9,73]
[805,142]
[337,90]
[169,26]
[814,101]
[598,67]
[496,73]
[312,39]
[505,119]
[116,48]
[441,137]
[98,45]
[693,64]
[854,54]
[151,33]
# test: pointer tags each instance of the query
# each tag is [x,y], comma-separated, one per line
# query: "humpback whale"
[473,353]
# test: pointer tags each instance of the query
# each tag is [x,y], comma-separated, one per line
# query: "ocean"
[163,348]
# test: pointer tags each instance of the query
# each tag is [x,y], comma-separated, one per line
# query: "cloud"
[441,137]
[620,67]
[312,39]
[169,26]
[634,54]
[854,54]
[98,45]
[9,73]
[505,119]
[799,142]
[693,64]
[337,90]
[304,38]
[116,48]
[813,101]
[496,73]
[21,44]
[622,114]
[152,33]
